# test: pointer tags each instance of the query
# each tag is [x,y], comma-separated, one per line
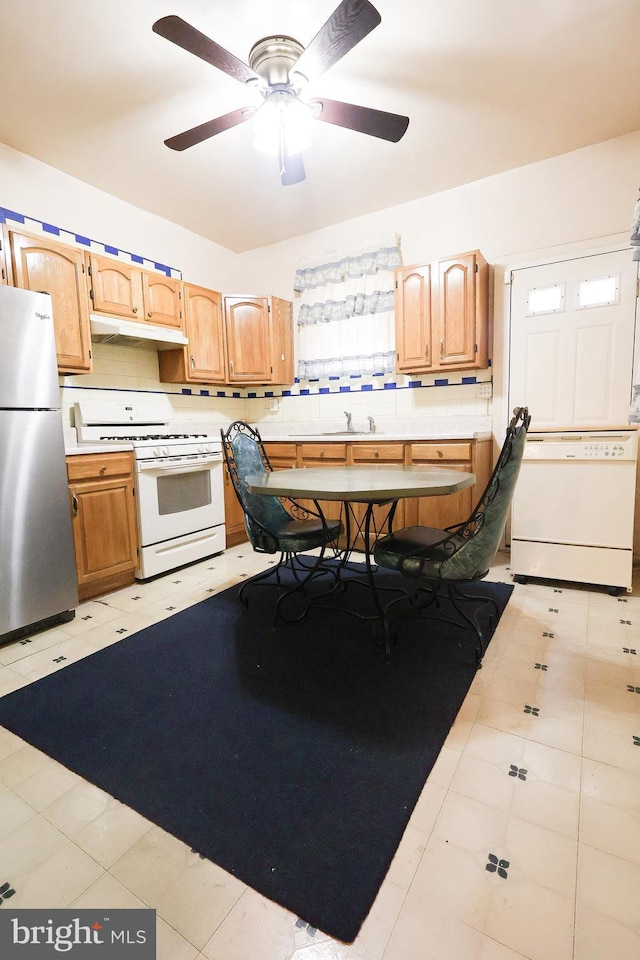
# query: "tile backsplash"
[130,371]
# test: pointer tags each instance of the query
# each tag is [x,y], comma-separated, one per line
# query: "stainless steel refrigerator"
[37,560]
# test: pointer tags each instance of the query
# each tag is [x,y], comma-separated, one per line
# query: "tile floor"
[525,842]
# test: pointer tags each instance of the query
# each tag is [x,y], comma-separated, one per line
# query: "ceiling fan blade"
[375,123]
[346,27]
[181,33]
[205,130]
[292,169]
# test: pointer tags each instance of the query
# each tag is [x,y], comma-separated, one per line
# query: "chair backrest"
[474,545]
[244,454]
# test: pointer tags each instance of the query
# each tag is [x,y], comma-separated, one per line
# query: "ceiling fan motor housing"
[273,59]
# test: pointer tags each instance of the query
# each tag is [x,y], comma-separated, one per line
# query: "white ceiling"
[488,85]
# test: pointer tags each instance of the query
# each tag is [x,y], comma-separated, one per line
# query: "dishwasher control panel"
[582,445]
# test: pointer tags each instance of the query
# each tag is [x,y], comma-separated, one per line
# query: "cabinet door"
[205,332]
[43,265]
[282,455]
[235,529]
[377,453]
[451,508]
[324,455]
[413,319]
[162,299]
[248,339]
[104,532]
[282,339]
[116,287]
[455,312]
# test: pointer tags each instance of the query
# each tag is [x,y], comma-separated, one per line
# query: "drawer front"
[378,452]
[440,451]
[96,466]
[281,454]
[284,451]
[323,451]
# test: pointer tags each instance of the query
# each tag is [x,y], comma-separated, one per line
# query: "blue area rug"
[291,757]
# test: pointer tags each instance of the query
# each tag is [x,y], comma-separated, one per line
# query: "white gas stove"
[179,480]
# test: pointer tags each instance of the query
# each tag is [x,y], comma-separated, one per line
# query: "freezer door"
[28,366]
[37,560]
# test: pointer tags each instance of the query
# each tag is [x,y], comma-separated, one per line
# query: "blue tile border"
[335,389]
[34,225]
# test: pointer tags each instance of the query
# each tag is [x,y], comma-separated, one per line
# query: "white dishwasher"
[573,508]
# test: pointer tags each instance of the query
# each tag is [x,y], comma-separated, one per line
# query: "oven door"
[179,495]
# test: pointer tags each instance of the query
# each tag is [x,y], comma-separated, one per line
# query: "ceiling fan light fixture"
[282,124]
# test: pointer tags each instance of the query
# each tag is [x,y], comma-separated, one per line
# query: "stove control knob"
[204,448]
[156,452]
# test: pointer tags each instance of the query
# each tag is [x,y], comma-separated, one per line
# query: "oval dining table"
[374,485]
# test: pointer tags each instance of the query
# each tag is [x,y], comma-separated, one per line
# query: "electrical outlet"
[485,390]
[274,406]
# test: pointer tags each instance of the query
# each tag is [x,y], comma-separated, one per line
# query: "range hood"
[105,329]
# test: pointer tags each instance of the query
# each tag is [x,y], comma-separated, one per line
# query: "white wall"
[581,199]
[34,189]
[584,197]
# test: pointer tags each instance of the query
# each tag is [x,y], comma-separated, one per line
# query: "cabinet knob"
[135,310]
[149,314]
[74,501]
[440,454]
[103,469]
[377,453]
[442,349]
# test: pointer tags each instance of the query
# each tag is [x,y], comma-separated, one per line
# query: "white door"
[572,336]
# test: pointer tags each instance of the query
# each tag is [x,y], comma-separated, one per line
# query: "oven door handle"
[186,466]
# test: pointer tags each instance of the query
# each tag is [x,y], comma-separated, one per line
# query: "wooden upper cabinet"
[123,290]
[205,331]
[413,318]
[203,359]
[456,312]
[116,287]
[4,267]
[42,265]
[259,332]
[248,329]
[442,315]
[162,298]
[282,340]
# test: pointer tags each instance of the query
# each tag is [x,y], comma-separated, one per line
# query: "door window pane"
[598,292]
[545,300]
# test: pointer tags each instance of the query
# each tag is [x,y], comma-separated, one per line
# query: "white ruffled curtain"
[346,315]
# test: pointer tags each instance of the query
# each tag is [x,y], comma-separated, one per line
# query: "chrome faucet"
[372,425]
[349,424]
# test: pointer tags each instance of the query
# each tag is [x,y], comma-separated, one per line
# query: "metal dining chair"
[444,561]
[277,525]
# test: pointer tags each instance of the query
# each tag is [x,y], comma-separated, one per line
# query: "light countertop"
[73,450]
[378,436]
[406,430]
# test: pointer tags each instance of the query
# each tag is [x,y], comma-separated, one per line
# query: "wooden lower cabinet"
[468,456]
[103,511]
[323,455]
[368,454]
[235,530]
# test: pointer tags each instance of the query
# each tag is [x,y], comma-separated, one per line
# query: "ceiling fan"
[279,69]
